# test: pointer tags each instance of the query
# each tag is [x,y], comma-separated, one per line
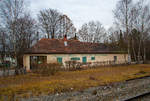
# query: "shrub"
[20,71]
[47,69]
[73,65]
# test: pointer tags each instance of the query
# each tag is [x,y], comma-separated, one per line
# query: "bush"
[73,65]
[20,71]
[47,69]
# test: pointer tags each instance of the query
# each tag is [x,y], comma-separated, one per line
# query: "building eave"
[112,52]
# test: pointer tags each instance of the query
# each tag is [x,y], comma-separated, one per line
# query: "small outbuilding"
[62,50]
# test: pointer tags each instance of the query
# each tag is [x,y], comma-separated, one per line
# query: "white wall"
[52,58]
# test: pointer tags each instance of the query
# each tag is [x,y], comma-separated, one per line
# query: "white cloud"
[80,11]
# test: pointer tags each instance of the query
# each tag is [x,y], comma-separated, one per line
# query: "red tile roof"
[56,46]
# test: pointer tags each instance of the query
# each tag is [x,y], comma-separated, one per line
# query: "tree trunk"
[133,50]
[48,35]
[144,53]
[139,51]
[53,33]
[127,32]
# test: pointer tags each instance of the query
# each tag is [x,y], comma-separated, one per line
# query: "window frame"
[93,58]
[59,60]
[75,58]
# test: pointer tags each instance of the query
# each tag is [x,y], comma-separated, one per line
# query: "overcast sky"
[80,11]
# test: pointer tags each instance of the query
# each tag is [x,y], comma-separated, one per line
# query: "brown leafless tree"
[26,35]
[122,15]
[48,20]
[3,45]
[134,19]
[92,32]
[55,24]
[18,25]
[65,27]
[142,24]
[10,11]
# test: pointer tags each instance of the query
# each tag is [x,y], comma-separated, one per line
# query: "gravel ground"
[112,92]
[143,98]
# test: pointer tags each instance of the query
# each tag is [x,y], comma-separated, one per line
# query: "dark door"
[84,59]
[115,58]
[59,60]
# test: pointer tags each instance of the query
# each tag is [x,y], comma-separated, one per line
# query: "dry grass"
[35,85]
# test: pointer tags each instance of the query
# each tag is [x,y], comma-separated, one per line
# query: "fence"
[78,65]
[10,72]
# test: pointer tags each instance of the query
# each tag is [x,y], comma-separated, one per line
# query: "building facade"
[61,51]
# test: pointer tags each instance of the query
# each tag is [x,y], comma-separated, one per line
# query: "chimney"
[65,40]
[75,37]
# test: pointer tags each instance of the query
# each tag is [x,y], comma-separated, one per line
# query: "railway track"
[138,96]
[138,78]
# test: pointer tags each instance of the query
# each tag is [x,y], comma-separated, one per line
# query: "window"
[115,58]
[59,59]
[42,59]
[34,60]
[75,58]
[92,58]
[38,59]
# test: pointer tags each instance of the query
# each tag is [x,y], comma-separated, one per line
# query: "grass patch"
[35,85]
[141,72]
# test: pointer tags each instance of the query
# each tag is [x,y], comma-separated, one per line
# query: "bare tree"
[134,19]
[3,45]
[55,24]
[4,50]
[113,34]
[65,27]
[116,38]
[92,32]
[26,35]
[10,11]
[48,20]
[18,25]
[142,24]
[122,15]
